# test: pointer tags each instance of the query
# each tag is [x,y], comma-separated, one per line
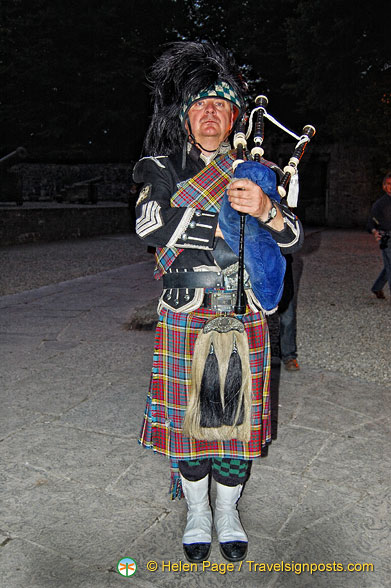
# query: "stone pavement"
[78,494]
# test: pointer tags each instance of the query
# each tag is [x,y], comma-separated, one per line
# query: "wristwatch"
[272,213]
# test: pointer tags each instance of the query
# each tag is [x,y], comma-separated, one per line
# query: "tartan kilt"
[161,431]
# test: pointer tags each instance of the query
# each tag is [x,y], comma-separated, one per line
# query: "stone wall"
[336,182]
[350,186]
[42,182]
[336,185]
[26,224]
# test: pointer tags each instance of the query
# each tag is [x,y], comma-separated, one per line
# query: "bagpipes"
[261,254]
[219,406]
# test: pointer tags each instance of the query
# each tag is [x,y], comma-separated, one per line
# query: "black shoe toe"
[196,552]
[234,550]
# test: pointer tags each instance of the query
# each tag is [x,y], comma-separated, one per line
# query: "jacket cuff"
[291,236]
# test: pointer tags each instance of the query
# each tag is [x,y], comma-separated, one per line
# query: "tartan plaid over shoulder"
[205,191]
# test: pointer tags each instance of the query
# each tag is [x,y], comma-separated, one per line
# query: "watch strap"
[271,215]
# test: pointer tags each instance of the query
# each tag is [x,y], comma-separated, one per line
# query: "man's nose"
[210,107]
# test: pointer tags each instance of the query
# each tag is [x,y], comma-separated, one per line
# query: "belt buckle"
[222,301]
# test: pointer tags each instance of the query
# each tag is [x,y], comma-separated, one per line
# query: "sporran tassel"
[233,398]
[211,408]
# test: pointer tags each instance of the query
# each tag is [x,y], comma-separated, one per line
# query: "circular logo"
[126,566]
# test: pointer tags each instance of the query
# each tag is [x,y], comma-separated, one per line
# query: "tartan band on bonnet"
[220,90]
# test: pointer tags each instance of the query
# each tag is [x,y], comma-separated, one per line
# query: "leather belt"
[221,301]
[193,280]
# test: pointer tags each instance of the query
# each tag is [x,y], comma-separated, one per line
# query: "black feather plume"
[182,71]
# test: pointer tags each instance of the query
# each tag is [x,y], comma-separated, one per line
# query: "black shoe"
[379,294]
[234,550]
[196,552]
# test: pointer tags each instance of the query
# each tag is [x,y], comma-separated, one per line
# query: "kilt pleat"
[161,431]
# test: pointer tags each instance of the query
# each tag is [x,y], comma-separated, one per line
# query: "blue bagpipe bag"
[262,256]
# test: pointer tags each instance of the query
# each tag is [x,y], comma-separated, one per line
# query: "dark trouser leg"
[387,262]
[380,281]
[287,313]
[288,345]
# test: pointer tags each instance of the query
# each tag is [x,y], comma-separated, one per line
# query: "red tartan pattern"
[206,189]
[167,399]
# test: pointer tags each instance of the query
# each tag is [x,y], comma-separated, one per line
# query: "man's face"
[387,186]
[211,119]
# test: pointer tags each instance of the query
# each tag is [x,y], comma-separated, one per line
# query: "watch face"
[271,214]
[272,211]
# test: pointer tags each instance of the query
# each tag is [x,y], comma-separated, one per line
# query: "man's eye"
[199,104]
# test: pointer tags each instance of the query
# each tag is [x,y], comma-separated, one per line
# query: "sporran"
[219,405]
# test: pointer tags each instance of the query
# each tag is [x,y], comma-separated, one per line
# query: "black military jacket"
[190,229]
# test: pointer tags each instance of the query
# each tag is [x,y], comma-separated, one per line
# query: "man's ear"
[231,123]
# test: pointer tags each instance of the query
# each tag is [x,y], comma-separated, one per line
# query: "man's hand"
[376,234]
[246,196]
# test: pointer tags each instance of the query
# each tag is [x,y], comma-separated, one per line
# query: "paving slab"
[77,492]
[26,564]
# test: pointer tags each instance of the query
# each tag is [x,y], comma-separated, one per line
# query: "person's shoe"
[232,537]
[197,537]
[379,294]
[292,365]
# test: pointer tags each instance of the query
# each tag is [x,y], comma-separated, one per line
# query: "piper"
[211,420]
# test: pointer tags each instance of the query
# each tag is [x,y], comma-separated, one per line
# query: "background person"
[379,224]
